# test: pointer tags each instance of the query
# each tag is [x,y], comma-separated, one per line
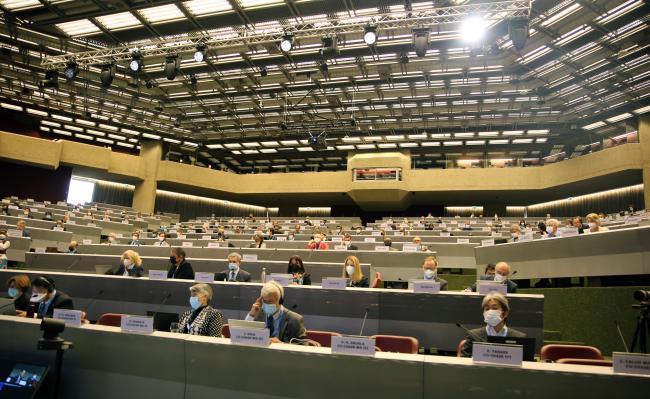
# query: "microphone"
[620,335]
[164,301]
[470,333]
[92,300]
[513,273]
[73,264]
[364,321]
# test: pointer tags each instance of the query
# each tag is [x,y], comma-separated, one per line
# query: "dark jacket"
[363,283]
[22,302]
[512,286]
[292,326]
[466,351]
[136,271]
[61,301]
[242,276]
[205,321]
[442,281]
[183,272]
[352,247]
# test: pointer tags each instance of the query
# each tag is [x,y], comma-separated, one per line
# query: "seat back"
[110,319]
[396,343]
[459,349]
[586,362]
[377,283]
[553,352]
[324,338]
[225,331]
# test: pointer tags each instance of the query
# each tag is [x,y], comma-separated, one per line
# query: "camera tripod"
[642,328]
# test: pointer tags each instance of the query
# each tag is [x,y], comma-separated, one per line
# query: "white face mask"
[492,317]
[592,225]
[349,270]
[499,278]
[37,297]
[317,239]
[128,264]
[429,273]
[134,237]
[161,239]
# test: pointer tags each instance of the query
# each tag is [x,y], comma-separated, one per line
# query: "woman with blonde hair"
[352,271]
[130,265]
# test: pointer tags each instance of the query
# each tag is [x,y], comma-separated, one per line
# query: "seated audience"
[4,246]
[47,216]
[430,270]
[595,223]
[73,246]
[258,241]
[130,265]
[45,297]
[21,226]
[221,234]
[389,243]
[501,274]
[180,268]
[270,235]
[135,239]
[347,241]
[515,231]
[202,319]
[577,223]
[552,226]
[162,240]
[18,289]
[234,271]
[284,325]
[297,269]
[318,243]
[111,239]
[495,313]
[352,271]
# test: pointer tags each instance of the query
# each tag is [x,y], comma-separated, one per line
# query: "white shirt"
[491,332]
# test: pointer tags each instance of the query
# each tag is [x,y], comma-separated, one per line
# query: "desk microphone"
[364,321]
[164,301]
[92,300]
[513,273]
[470,333]
[620,335]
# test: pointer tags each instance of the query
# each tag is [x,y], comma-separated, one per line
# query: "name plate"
[445,234]
[376,233]
[509,355]
[250,258]
[525,237]
[202,277]
[398,234]
[91,225]
[187,244]
[462,241]
[410,248]
[382,248]
[369,239]
[633,219]
[87,242]
[181,236]
[281,238]
[125,222]
[39,250]
[14,233]
[340,247]
[496,234]
[157,274]
[442,225]
[71,222]
[206,237]
[334,283]
[213,245]
[359,346]
[484,287]
[487,243]
[190,231]
[569,232]
[485,229]
[425,286]
[631,363]
[140,324]
[282,279]
[249,336]
[462,225]
[368,228]
[71,317]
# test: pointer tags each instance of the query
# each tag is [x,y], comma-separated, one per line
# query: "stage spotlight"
[51,79]
[330,45]
[323,66]
[149,84]
[137,61]
[421,41]
[71,70]
[286,44]
[107,74]
[193,81]
[370,35]
[518,31]
[199,54]
[172,66]
[473,29]
[263,71]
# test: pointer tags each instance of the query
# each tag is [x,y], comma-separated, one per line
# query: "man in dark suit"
[234,272]
[495,313]
[430,271]
[180,268]
[283,324]
[577,223]
[347,241]
[46,298]
[502,272]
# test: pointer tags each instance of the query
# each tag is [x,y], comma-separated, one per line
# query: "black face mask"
[71,248]
[172,259]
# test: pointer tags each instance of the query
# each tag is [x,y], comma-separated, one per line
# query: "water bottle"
[263,276]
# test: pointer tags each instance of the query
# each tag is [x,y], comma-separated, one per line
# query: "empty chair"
[586,362]
[324,338]
[396,343]
[110,319]
[553,352]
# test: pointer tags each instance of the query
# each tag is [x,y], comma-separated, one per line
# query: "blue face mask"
[13,292]
[232,266]
[269,308]
[195,303]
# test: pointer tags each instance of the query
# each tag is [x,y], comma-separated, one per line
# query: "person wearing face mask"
[202,319]
[21,226]
[234,271]
[28,213]
[515,231]
[258,241]
[135,239]
[595,224]
[4,246]
[162,240]
[552,226]
[130,265]
[347,241]
[284,325]
[430,270]
[73,246]
[180,268]
[352,271]
[318,243]
[297,269]
[501,274]
[47,216]
[18,290]
[111,239]
[45,298]
[495,313]
[291,236]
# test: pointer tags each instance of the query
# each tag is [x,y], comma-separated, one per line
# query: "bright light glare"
[473,29]
[134,65]
[370,37]
[286,45]
[198,56]
[80,191]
